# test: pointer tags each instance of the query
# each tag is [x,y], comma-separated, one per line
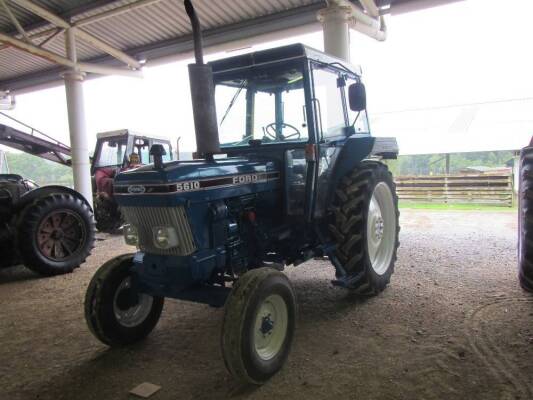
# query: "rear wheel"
[258,327]
[525,220]
[116,313]
[366,227]
[56,234]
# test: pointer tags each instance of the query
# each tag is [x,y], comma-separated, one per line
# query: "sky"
[447,79]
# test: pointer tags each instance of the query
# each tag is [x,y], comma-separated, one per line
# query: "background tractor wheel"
[55,234]
[115,312]
[107,215]
[366,226]
[258,327]
[525,220]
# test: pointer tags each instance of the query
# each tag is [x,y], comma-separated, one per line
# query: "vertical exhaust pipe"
[202,93]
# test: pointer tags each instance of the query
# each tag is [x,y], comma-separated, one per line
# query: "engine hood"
[195,180]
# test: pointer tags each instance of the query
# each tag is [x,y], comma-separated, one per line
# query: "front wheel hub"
[271,325]
[130,307]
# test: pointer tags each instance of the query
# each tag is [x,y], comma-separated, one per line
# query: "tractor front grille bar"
[145,219]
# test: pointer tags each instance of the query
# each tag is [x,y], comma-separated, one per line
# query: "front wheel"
[116,313]
[258,327]
[366,227]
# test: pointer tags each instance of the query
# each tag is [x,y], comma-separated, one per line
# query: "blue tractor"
[287,172]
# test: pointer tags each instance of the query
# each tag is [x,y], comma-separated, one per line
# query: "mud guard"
[31,196]
[357,149]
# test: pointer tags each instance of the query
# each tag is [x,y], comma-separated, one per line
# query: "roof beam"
[65,62]
[15,21]
[83,35]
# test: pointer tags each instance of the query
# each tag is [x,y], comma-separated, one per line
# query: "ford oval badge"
[136,189]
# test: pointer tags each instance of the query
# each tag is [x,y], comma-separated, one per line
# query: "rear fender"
[355,150]
[44,191]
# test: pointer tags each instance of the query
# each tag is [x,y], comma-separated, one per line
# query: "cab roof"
[126,132]
[284,53]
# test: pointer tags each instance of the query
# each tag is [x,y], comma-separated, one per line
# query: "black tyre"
[258,327]
[107,215]
[55,234]
[115,312]
[525,220]
[366,227]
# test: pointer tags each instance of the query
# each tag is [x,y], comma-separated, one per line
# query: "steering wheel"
[270,131]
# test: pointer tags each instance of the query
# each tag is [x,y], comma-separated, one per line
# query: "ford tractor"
[286,170]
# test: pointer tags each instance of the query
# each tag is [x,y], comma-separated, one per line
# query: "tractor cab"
[115,148]
[297,106]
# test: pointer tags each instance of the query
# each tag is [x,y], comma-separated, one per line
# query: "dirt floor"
[452,325]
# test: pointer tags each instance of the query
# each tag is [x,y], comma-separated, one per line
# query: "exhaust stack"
[202,93]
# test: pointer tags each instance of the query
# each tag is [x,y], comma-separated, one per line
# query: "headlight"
[165,237]
[131,236]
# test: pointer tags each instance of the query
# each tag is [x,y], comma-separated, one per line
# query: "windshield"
[111,153]
[261,105]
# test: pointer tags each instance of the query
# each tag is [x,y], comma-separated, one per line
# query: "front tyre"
[116,313]
[366,227]
[258,327]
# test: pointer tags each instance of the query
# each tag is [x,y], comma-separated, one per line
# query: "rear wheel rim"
[381,228]
[130,307]
[271,327]
[61,235]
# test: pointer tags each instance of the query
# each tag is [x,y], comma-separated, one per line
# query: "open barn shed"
[192,294]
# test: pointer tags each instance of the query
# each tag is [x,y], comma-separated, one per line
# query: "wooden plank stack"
[489,188]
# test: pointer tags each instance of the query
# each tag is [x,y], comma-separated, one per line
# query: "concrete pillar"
[76,120]
[336,29]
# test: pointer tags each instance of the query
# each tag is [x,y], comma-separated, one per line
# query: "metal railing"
[34,131]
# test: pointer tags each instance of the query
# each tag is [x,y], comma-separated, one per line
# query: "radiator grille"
[146,218]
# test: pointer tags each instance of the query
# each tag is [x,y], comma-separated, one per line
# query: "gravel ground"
[452,325]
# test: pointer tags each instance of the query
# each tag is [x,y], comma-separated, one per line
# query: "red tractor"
[115,151]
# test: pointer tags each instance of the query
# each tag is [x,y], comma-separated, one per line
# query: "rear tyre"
[525,220]
[258,327]
[55,234]
[116,313]
[366,227]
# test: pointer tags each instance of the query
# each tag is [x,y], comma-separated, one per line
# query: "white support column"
[336,27]
[76,120]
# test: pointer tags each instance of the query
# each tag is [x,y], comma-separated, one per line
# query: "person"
[104,177]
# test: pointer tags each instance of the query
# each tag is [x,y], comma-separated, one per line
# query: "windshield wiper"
[235,96]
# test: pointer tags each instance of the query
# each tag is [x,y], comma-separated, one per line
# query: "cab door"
[332,122]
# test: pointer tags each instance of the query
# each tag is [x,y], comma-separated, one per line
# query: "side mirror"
[357,96]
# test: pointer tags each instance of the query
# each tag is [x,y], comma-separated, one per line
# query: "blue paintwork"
[223,240]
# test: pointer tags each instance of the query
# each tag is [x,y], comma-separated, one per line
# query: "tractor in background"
[287,170]
[49,229]
[525,218]
[118,151]
[115,151]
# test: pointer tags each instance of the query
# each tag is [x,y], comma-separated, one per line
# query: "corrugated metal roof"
[156,30]
[133,32]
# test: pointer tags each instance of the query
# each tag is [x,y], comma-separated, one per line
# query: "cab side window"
[328,102]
